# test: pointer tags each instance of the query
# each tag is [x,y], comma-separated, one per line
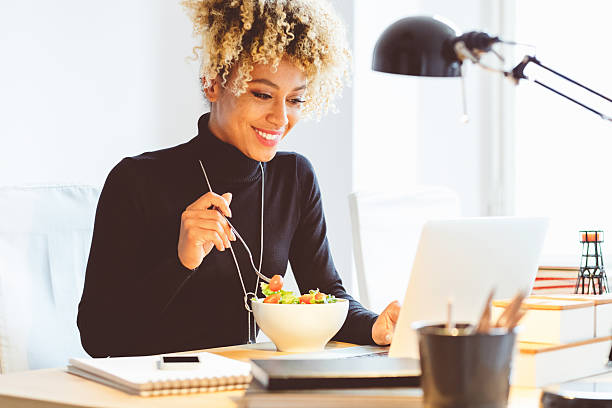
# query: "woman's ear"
[212,92]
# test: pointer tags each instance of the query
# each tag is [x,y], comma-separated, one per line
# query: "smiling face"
[257,120]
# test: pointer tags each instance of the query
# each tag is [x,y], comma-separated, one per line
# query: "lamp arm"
[517,74]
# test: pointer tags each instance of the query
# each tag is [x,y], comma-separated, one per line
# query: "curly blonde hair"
[235,34]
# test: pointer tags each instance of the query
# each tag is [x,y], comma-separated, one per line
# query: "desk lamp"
[428,46]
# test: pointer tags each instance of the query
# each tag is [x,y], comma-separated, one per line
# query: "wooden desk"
[55,388]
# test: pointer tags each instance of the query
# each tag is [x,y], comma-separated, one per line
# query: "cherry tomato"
[273,298]
[276,283]
[306,299]
[319,296]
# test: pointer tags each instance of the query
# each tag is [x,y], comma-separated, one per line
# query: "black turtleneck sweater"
[139,299]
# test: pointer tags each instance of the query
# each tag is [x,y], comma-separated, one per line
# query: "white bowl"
[300,327]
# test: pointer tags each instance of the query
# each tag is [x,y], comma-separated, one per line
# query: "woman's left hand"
[382,331]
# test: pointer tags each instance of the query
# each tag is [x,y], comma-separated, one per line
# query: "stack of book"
[355,382]
[603,310]
[257,396]
[555,280]
[559,340]
[540,364]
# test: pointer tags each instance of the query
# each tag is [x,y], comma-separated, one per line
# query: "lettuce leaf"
[287,297]
[265,289]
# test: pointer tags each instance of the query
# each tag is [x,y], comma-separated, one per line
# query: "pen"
[449,315]
[513,313]
[484,323]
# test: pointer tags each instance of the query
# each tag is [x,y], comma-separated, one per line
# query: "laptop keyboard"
[340,353]
[377,354]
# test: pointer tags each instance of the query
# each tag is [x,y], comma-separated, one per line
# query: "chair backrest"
[45,236]
[386,229]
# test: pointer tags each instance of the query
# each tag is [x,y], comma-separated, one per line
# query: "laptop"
[459,260]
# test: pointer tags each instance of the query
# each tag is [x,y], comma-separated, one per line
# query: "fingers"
[391,314]
[212,199]
[228,198]
[199,221]
[207,235]
[381,334]
[392,311]
[199,237]
[202,237]
[216,227]
[384,326]
[208,218]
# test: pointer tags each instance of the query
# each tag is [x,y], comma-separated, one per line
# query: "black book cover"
[337,373]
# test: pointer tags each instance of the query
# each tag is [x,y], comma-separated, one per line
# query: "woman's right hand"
[202,228]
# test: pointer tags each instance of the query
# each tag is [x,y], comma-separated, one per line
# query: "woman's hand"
[382,330]
[202,228]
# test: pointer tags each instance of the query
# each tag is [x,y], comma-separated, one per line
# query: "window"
[563,153]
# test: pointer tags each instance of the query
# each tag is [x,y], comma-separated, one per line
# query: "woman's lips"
[268,138]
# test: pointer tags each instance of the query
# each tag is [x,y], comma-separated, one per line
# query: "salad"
[275,294]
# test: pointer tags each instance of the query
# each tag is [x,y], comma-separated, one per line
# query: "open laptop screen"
[462,260]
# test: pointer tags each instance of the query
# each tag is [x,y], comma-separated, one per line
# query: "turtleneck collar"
[222,160]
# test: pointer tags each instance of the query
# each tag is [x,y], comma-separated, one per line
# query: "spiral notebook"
[141,375]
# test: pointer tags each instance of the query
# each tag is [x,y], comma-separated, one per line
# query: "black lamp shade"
[420,46]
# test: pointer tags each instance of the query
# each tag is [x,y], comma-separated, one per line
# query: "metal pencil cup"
[460,368]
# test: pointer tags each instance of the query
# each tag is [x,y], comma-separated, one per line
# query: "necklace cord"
[257,270]
[251,337]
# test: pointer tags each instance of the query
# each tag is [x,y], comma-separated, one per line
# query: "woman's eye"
[261,95]
[297,101]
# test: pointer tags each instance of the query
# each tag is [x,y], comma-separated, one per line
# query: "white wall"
[329,146]
[450,152]
[85,84]
[408,129]
[385,105]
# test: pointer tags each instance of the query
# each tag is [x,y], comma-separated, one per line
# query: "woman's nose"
[278,115]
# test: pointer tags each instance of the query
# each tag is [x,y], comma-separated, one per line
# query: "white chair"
[386,229]
[45,235]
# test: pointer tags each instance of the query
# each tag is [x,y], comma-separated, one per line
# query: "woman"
[159,276]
